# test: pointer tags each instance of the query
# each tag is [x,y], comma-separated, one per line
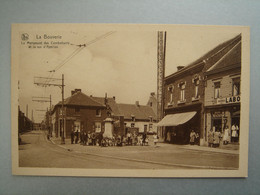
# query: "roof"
[212,56]
[81,99]
[141,112]
[138,111]
[111,102]
[231,60]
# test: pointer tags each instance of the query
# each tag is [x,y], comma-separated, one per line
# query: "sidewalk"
[227,149]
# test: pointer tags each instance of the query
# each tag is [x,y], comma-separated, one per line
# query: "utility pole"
[160,75]
[46,81]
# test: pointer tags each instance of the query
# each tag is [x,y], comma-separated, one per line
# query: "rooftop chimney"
[114,97]
[180,67]
[137,103]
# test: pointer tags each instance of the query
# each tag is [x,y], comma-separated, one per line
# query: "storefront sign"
[228,100]
[233,99]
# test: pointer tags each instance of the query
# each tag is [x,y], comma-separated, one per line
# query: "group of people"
[228,135]
[97,139]
[85,138]
[194,138]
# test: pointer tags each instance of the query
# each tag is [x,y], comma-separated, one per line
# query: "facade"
[136,117]
[222,95]
[184,97]
[81,113]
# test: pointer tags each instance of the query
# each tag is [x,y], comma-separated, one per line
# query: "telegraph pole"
[47,81]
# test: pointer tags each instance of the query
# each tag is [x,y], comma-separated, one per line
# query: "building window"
[236,87]
[97,127]
[98,112]
[216,90]
[132,125]
[133,118]
[145,128]
[170,89]
[182,95]
[196,82]
[151,104]
[77,109]
[150,127]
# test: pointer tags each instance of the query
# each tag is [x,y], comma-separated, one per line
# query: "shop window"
[216,90]
[236,87]
[98,112]
[97,127]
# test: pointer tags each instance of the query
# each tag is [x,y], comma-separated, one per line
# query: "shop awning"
[176,119]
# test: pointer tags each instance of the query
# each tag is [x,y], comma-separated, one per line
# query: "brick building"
[81,113]
[222,94]
[184,95]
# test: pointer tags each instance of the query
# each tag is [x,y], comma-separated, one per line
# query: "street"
[37,151]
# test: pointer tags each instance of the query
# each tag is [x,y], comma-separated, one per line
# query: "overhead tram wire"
[75,52]
[82,46]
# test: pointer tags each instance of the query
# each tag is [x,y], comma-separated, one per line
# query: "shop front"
[177,127]
[219,118]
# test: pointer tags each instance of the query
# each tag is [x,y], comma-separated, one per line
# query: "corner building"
[222,95]
[184,97]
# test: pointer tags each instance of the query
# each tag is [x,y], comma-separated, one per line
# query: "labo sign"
[232,99]
[228,100]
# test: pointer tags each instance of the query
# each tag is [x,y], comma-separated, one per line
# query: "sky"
[122,64]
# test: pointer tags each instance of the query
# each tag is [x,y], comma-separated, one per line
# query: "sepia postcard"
[130,100]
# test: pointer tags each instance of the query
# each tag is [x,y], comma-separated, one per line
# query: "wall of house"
[226,82]
[221,109]
[141,124]
[189,91]
[85,116]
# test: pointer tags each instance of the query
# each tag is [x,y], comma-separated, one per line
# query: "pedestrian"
[93,137]
[192,137]
[77,136]
[84,138]
[144,139]
[210,138]
[88,138]
[72,136]
[197,139]
[216,138]
[226,136]
[155,139]
[128,138]
[233,133]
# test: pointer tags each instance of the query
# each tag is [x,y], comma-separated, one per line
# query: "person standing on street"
[155,139]
[226,136]
[210,138]
[72,136]
[217,136]
[192,137]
